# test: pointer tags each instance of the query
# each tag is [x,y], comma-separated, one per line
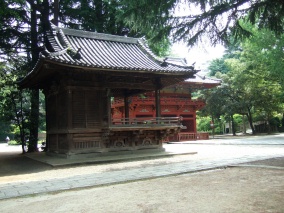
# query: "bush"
[203,124]
[13,142]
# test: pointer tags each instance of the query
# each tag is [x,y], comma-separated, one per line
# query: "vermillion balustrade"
[147,121]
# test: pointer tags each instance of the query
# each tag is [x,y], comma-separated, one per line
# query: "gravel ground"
[256,187]
[235,189]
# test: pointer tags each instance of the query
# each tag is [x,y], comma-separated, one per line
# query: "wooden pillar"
[70,118]
[108,106]
[47,139]
[158,86]
[158,103]
[194,123]
[126,107]
[69,109]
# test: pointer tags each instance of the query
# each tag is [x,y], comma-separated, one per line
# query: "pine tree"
[213,19]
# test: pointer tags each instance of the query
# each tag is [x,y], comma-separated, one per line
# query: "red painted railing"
[146,121]
[188,136]
[150,100]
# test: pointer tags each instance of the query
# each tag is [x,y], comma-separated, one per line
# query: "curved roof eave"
[124,69]
[35,71]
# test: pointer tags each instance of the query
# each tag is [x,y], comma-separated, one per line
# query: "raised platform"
[100,158]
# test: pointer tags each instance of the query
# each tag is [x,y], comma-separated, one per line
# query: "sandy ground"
[257,188]
[235,189]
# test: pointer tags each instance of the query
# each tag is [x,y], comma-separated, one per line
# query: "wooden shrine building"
[176,101]
[81,72]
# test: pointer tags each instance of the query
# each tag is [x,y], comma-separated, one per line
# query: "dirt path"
[240,189]
[257,188]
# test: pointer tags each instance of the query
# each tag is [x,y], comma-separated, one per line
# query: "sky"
[200,55]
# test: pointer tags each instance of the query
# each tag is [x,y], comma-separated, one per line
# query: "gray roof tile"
[107,51]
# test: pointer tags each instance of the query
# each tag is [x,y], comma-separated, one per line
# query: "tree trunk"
[99,15]
[233,126]
[19,119]
[213,127]
[244,125]
[249,116]
[34,119]
[268,124]
[21,125]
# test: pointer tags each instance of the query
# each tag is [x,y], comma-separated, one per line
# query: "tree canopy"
[192,20]
[24,23]
[253,81]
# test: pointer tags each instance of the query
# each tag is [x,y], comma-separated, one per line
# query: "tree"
[102,16]
[221,101]
[218,65]
[13,28]
[14,103]
[261,55]
[213,19]
[254,81]
[23,29]
[24,25]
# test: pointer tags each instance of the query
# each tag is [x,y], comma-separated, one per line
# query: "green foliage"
[13,143]
[213,19]
[98,16]
[275,121]
[4,128]
[24,24]
[105,16]
[203,124]
[14,103]
[218,65]
[23,30]
[12,27]
[42,113]
[252,72]
[253,84]
[238,119]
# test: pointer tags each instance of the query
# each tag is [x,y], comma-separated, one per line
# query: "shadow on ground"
[15,163]
[273,162]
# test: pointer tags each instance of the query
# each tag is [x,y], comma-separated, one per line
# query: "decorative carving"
[86,144]
[144,110]
[147,141]
[105,135]
[119,143]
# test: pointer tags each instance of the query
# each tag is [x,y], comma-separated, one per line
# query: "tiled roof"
[96,50]
[176,60]
[202,79]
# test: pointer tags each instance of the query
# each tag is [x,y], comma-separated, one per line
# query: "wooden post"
[158,103]
[126,108]
[70,118]
[157,97]
[108,106]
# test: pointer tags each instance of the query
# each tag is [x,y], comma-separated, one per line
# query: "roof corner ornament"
[125,31]
[164,63]
[45,52]
[74,54]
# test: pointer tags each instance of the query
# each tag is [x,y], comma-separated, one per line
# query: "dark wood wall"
[75,118]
